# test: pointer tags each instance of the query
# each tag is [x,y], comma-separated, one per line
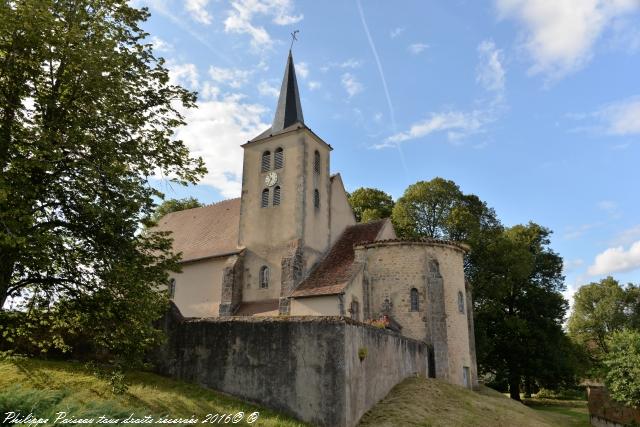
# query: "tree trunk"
[528,386]
[514,387]
[6,270]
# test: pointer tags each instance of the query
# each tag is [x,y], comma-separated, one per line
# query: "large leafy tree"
[87,114]
[174,205]
[623,367]
[519,309]
[370,204]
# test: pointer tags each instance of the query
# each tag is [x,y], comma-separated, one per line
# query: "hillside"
[46,387]
[428,402]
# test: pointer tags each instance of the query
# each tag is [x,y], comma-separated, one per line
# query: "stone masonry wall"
[604,411]
[308,367]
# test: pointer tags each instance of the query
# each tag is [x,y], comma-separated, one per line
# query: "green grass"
[427,402]
[47,387]
[570,413]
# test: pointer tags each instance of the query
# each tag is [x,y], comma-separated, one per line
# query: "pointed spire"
[289,110]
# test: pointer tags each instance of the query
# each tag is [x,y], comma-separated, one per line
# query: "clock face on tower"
[271,179]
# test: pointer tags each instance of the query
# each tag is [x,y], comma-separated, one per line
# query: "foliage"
[174,205]
[623,367]
[519,309]
[362,353]
[87,115]
[370,204]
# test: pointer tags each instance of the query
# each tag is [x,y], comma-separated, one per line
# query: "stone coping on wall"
[462,247]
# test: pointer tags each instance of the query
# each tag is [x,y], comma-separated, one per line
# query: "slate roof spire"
[289,110]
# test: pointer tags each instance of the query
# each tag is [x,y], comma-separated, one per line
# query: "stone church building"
[290,245]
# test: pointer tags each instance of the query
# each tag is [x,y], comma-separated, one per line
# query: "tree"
[623,367]
[87,115]
[370,204]
[599,309]
[519,309]
[174,205]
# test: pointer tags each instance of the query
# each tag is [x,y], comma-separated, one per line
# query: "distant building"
[290,245]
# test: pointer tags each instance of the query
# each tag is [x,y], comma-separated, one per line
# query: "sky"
[532,105]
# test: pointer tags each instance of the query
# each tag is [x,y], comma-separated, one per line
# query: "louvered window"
[264,277]
[266,161]
[415,304]
[316,198]
[264,202]
[276,196]
[172,288]
[316,162]
[278,158]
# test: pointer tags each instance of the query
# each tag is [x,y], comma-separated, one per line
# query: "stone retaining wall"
[603,411]
[309,367]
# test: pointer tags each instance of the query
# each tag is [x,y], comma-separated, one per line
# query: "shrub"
[622,365]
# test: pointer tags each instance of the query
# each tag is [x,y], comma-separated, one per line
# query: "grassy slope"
[422,402]
[46,387]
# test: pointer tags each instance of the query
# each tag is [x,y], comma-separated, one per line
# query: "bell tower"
[285,202]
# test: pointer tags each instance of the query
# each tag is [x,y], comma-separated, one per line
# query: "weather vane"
[293,38]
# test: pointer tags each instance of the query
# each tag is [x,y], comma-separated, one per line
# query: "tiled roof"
[268,307]
[424,240]
[204,232]
[335,271]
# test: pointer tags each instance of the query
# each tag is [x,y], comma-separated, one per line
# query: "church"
[290,246]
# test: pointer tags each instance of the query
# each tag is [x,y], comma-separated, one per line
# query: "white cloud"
[233,77]
[265,89]
[616,259]
[622,118]
[351,84]
[350,63]
[456,124]
[314,85]
[396,32]
[559,35]
[611,208]
[628,236]
[417,48]
[302,68]
[240,18]
[198,10]
[183,74]
[576,232]
[160,45]
[572,264]
[490,72]
[215,131]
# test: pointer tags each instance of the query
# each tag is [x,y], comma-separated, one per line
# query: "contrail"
[384,83]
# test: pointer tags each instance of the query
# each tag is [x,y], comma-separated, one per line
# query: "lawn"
[570,413]
[45,388]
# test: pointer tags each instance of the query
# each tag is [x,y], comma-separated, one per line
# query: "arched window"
[316,198]
[434,267]
[172,288]
[415,304]
[266,161]
[264,277]
[276,196]
[264,202]
[460,302]
[278,158]
[316,162]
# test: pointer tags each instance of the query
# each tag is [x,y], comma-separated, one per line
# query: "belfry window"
[316,162]
[278,158]
[414,298]
[316,198]
[355,310]
[172,288]
[460,302]
[264,277]
[276,196]
[264,201]
[266,161]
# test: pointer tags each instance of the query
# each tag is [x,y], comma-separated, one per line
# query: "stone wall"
[309,367]
[603,411]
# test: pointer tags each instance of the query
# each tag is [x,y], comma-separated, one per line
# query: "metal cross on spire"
[293,38]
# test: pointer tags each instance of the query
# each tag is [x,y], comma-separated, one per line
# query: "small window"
[460,302]
[172,288]
[434,267]
[278,158]
[355,310]
[276,196]
[316,162]
[316,198]
[266,161]
[264,277]
[264,202]
[415,303]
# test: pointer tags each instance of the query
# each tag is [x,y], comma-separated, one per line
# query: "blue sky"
[533,105]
